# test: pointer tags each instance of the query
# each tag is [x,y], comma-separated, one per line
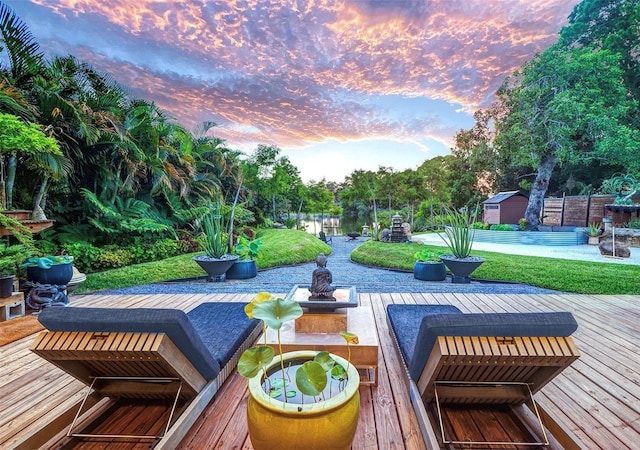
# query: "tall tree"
[566,105]
[272,177]
[358,197]
[610,25]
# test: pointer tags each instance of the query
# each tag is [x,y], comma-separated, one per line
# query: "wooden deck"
[597,398]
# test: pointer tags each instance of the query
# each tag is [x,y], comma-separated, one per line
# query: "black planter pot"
[6,286]
[58,274]
[461,269]
[429,271]
[242,269]
[216,268]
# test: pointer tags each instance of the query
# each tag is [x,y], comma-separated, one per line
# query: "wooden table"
[364,355]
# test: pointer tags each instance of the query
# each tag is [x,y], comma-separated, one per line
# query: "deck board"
[597,398]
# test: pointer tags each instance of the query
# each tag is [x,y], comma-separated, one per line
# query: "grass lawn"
[582,277]
[280,248]
[286,247]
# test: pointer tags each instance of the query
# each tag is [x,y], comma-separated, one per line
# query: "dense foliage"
[124,182]
[569,118]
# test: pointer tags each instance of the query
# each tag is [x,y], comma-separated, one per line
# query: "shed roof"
[502,196]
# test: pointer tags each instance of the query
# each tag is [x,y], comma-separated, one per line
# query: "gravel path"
[281,280]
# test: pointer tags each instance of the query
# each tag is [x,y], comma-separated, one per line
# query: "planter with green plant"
[50,269]
[594,231]
[429,266]
[458,235]
[320,410]
[247,251]
[10,258]
[216,261]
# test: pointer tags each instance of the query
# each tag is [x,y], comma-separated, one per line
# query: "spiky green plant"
[214,245]
[458,234]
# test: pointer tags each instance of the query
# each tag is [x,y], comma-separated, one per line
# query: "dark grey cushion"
[416,327]
[173,322]
[488,324]
[223,327]
[405,323]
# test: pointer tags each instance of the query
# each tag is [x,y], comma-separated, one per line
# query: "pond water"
[332,226]
[273,385]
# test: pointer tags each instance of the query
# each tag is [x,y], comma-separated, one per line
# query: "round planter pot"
[216,268]
[461,268]
[326,424]
[6,286]
[429,271]
[58,274]
[242,269]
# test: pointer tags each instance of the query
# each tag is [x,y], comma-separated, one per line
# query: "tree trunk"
[273,206]
[375,219]
[298,215]
[12,164]
[38,202]
[539,189]
[230,243]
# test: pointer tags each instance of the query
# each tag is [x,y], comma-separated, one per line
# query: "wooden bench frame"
[534,361]
[117,356]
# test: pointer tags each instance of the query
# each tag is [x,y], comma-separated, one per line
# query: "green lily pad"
[325,360]
[279,383]
[291,393]
[254,359]
[275,392]
[338,373]
[311,378]
[277,311]
[349,337]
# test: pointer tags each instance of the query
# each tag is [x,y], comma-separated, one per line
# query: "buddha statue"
[321,280]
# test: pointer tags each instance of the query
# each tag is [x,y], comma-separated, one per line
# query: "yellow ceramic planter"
[329,424]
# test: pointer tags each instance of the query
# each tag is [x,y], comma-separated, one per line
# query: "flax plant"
[458,235]
[214,245]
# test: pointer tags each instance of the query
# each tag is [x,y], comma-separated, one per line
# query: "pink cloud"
[294,73]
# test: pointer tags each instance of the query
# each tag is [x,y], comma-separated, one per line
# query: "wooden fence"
[580,210]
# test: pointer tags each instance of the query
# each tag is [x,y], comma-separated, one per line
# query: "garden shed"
[505,207]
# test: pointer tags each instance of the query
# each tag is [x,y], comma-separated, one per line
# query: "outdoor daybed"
[146,357]
[470,375]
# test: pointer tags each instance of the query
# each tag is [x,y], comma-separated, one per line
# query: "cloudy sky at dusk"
[337,85]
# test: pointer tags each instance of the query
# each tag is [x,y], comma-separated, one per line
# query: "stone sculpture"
[46,295]
[321,280]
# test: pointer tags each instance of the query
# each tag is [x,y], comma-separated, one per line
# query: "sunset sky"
[336,85]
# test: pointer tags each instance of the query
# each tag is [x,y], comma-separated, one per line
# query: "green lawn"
[285,247]
[559,274]
[280,248]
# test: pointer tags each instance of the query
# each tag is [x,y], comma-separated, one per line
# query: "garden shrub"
[187,244]
[522,224]
[290,222]
[84,255]
[111,258]
[480,226]
[635,224]
[164,248]
[501,227]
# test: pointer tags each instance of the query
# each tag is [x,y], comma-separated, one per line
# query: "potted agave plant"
[216,261]
[302,399]
[593,233]
[459,235]
[429,266]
